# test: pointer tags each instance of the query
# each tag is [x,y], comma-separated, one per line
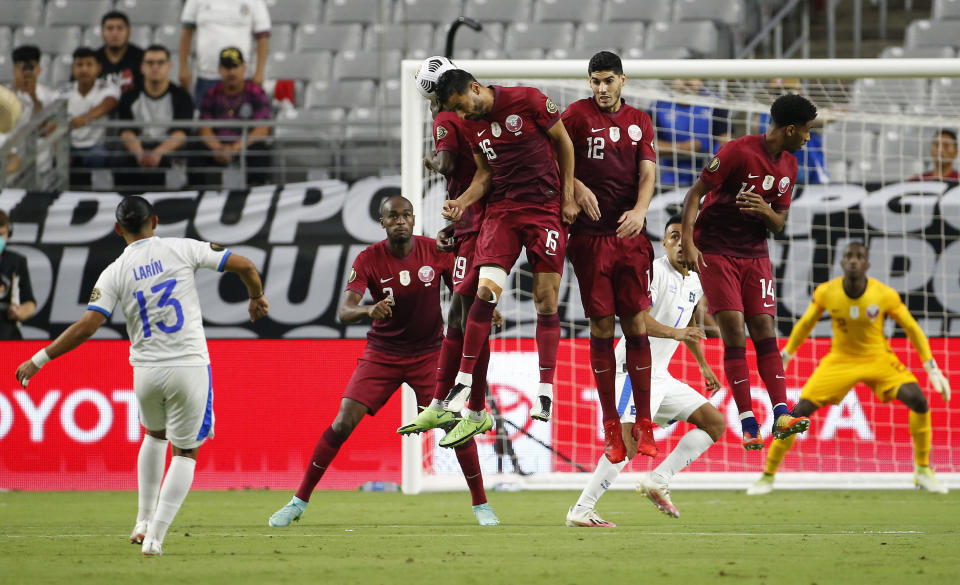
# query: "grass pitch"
[787,538]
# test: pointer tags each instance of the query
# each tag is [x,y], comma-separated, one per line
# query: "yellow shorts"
[836,375]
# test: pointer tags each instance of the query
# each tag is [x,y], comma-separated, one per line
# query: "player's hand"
[569,210]
[937,379]
[13,312]
[381,310]
[689,334]
[428,164]
[713,383]
[185,79]
[691,256]
[631,224]
[445,240]
[753,202]
[26,371]
[587,201]
[497,319]
[786,357]
[258,308]
[452,210]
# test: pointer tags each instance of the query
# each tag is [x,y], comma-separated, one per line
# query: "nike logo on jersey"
[740,381]
[382,280]
[596,129]
[314,463]
[480,133]
[542,368]
[595,371]
[749,176]
[768,305]
[639,369]
[780,378]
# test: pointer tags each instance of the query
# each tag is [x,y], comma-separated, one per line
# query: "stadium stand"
[151,12]
[328,37]
[53,41]
[502,11]
[76,12]
[642,10]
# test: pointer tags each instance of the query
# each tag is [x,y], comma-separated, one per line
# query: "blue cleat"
[485,515]
[289,513]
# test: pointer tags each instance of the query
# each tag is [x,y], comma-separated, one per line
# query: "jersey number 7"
[165,299]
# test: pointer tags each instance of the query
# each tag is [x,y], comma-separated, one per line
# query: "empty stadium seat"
[903,141]
[927,33]
[328,37]
[490,38]
[58,70]
[726,12]
[503,11]
[408,38]
[372,123]
[700,37]
[529,53]
[660,53]
[388,94]
[842,143]
[324,120]
[342,94]
[884,170]
[644,10]
[21,12]
[871,93]
[918,53]
[432,11]
[566,11]
[363,11]
[6,69]
[167,35]
[613,36]
[6,40]
[304,66]
[152,12]
[945,93]
[553,35]
[76,12]
[366,65]
[53,41]
[943,9]
[294,12]
[281,37]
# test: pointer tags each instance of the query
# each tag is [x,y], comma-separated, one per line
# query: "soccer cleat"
[541,409]
[752,442]
[659,495]
[429,418]
[151,548]
[613,446]
[139,532]
[924,479]
[485,515]
[762,487]
[285,515]
[643,434]
[587,518]
[787,425]
[466,429]
[457,398]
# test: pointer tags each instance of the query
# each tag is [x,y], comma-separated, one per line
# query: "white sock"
[600,481]
[690,446]
[436,404]
[464,378]
[475,415]
[176,485]
[546,390]
[150,463]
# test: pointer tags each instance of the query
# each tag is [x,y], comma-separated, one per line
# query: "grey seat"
[21,12]
[54,41]
[76,12]
[903,141]
[167,35]
[328,37]
[363,11]
[503,11]
[928,33]
[700,37]
[305,66]
[281,37]
[341,94]
[294,12]
[660,53]
[529,53]
[441,12]
[726,12]
[566,11]
[873,93]
[842,143]
[886,170]
[918,53]
[152,12]
[490,38]
[324,120]
[59,70]
[944,9]
[366,65]
[552,35]
[140,35]
[6,40]
[410,39]
[6,69]
[945,93]
[372,123]
[644,10]
[388,94]
[613,36]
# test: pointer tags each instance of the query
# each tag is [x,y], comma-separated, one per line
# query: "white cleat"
[151,548]
[586,518]
[541,408]
[139,532]
[659,495]
[762,487]
[456,399]
[924,479]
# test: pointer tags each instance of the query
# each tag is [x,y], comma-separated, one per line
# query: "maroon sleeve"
[727,161]
[544,112]
[782,203]
[445,261]
[357,281]
[570,121]
[445,136]
[647,139]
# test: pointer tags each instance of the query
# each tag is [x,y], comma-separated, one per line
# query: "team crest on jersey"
[714,164]
[614,133]
[495,130]
[351,278]
[441,132]
[514,123]
[784,185]
[216,247]
[95,295]
[873,311]
[426,274]
[551,107]
[405,277]
[854,312]
[634,132]
[768,182]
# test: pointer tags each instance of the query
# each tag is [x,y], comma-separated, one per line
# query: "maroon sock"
[478,331]
[448,362]
[478,392]
[638,367]
[770,366]
[738,376]
[470,464]
[548,340]
[326,449]
[604,364]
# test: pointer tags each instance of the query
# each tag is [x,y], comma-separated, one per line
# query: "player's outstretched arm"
[351,311]
[563,147]
[905,320]
[691,205]
[69,340]
[631,222]
[801,330]
[693,346]
[479,186]
[247,271]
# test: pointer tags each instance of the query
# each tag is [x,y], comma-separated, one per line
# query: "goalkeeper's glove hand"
[786,356]
[937,379]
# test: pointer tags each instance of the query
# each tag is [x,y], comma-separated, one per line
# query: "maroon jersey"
[951,177]
[608,148]
[513,138]
[451,134]
[414,285]
[742,165]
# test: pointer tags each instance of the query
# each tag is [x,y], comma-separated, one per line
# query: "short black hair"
[605,61]
[115,14]
[673,219]
[83,52]
[156,47]
[946,132]
[390,198]
[25,53]
[133,213]
[454,81]
[860,243]
[792,110]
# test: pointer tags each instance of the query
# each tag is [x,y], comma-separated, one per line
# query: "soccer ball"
[10,109]
[429,73]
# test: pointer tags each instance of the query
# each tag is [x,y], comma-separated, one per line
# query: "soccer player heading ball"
[748,187]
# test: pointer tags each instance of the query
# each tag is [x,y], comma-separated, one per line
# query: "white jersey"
[225,23]
[77,104]
[153,280]
[674,298]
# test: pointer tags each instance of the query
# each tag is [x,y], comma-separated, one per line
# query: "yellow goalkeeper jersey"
[858,323]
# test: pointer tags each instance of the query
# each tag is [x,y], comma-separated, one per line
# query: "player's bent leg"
[176,486]
[151,461]
[638,364]
[921,433]
[492,281]
[546,292]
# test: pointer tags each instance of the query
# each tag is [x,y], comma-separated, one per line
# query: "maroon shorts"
[379,374]
[509,225]
[614,273]
[739,284]
[465,275]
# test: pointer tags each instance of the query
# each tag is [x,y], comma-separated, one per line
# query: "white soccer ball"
[429,73]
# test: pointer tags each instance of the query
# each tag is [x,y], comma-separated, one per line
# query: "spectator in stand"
[33,94]
[943,151]
[688,135]
[236,98]
[219,24]
[151,141]
[88,99]
[119,59]
[16,295]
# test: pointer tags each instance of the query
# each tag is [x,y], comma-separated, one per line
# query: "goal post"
[880,117]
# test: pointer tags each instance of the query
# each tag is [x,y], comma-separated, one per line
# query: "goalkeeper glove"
[786,356]
[937,379]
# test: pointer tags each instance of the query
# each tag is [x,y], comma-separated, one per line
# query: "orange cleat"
[787,425]
[643,433]
[752,442]
[613,446]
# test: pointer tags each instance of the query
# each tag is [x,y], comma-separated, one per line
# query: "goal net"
[880,119]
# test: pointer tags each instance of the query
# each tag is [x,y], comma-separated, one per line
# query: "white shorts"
[670,400]
[178,399]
